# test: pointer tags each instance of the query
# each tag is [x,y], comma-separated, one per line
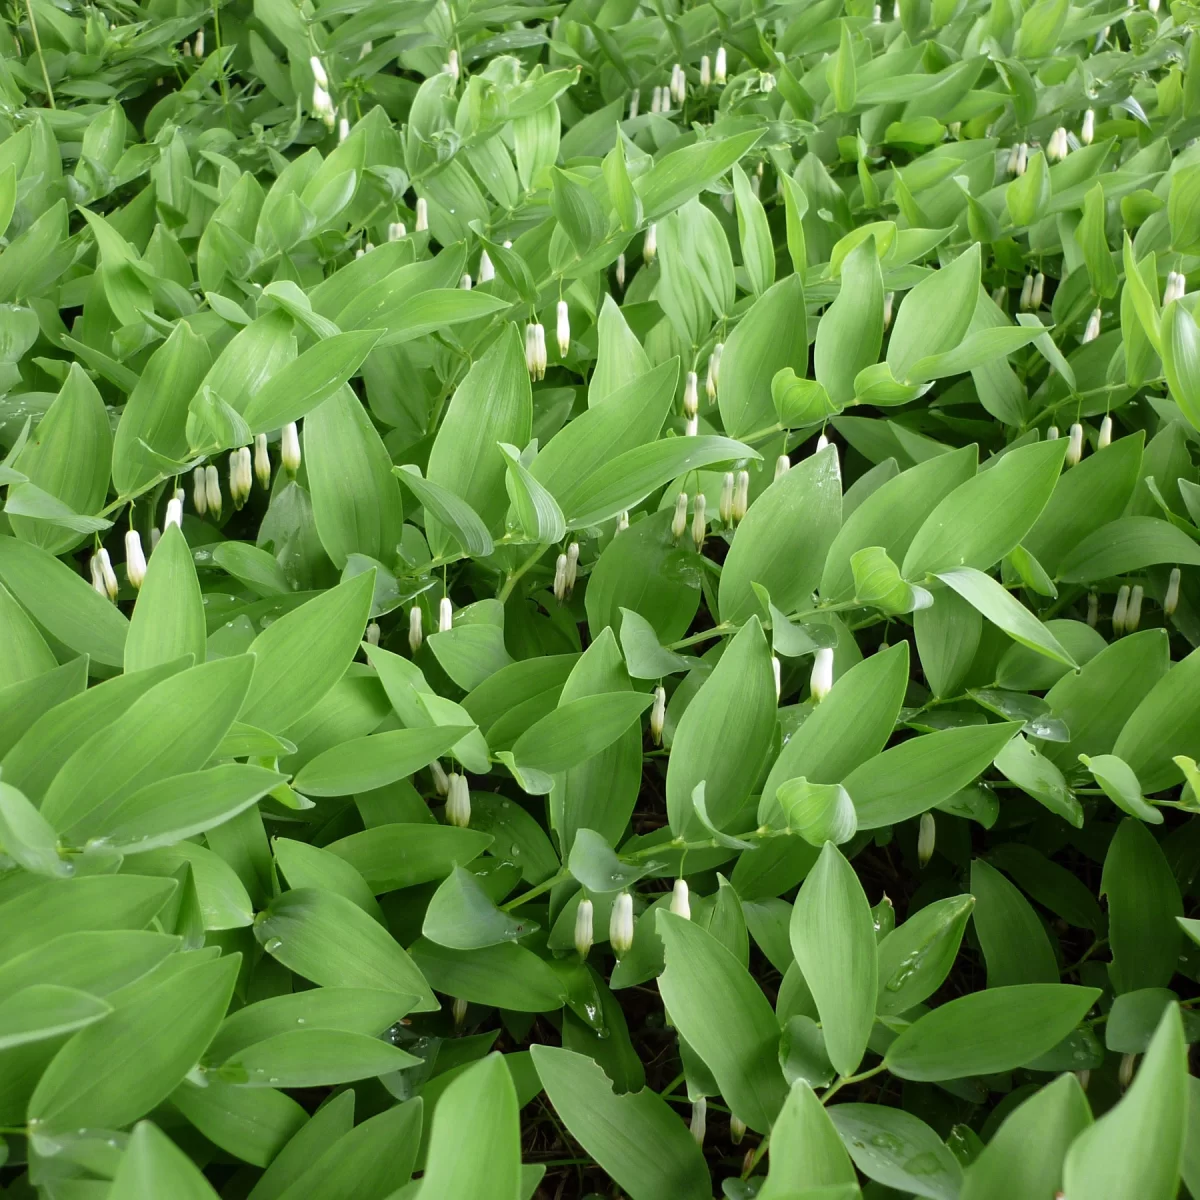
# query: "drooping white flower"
[1133,614]
[583,928]
[1093,609]
[451,67]
[821,679]
[635,99]
[725,506]
[1026,293]
[926,838]
[1087,131]
[889,301]
[620,271]
[212,490]
[422,222]
[416,628]
[1171,599]
[691,395]
[650,243]
[679,520]
[1092,330]
[107,575]
[720,67]
[560,578]
[572,566]
[199,491]
[777,671]
[1039,291]
[262,460]
[1074,444]
[699,1123]
[1105,436]
[465,282]
[174,514]
[318,70]
[741,496]
[458,801]
[620,925]
[658,715]
[289,448]
[563,328]
[373,632]
[135,559]
[705,71]
[487,272]
[1120,610]
[783,465]
[699,520]
[445,614]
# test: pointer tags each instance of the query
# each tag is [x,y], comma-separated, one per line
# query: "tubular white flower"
[821,679]
[691,395]
[620,925]
[699,1125]
[1120,610]
[1152,5]
[97,577]
[135,559]
[720,66]
[741,496]
[777,671]
[583,928]
[650,243]
[620,271]
[1051,433]
[465,282]
[289,448]
[422,214]
[1074,444]
[262,460]
[199,47]
[1056,147]
[373,632]
[174,513]
[725,506]
[365,49]
[1022,158]
[396,231]
[1171,599]
[678,84]
[318,70]
[459,1011]
[783,465]
[212,490]
[1129,1061]
[680,904]
[343,129]
[539,332]
[822,442]
[656,100]
[877,15]
[926,838]
[658,715]
[441,781]
[562,328]
[699,520]
[1000,296]
[1026,300]
[572,566]
[1039,291]
[1133,614]
[458,801]
[737,1130]
[451,67]
[889,301]
[445,614]
[1092,330]
[635,101]
[1104,438]
[705,71]
[1013,157]
[622,520]
[416,628]
[1087,131]
[487,272]
[691,426]
[199,492]
[107,575]
[560,578]
[679,520]
[1093,609]
[322,105]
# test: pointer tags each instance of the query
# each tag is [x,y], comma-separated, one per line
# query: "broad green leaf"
[1162,725]
[1124,545]
[806,1149]
[578,729]
[1121,786]
[818,812]
[252,1124]
[452,511]
[390,857]
[850,331]
[538,516]
[462,915]
[361,764]
[718,1008]
[898,1150]
[916,956]
[47,1010]
[168,617]
[1015,946]
[153,1165]
[935,315]
[681,174]
[314,1058]
[504,976]
[833,939]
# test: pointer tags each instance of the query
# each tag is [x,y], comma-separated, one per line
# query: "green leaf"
[47,1010]
[833,939]
[935,315]
[361,764]
[898,1150]
[988,1032]
[724,1017]
[503,976]
[538,516]
[168,618]
[1124,545]
[456,514]
[1135,1150]
[1162,725]
[818,812]
[678,176]
[916,957]
[754,234]
[314,1058]
[1015,946]
[635,1137]
[577,729]
[395,856]
[1121,786]
[27,837]
[152,1165]
[461,915]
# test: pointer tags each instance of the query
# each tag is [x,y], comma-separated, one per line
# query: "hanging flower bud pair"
[241,476]
[1176,287]
[104,578]
[535,351]
[1058,147]
[565,570]
[458,801]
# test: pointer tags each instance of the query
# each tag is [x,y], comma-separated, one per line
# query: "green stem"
[844,1080]
[514,576]
[541,888]
[37,41]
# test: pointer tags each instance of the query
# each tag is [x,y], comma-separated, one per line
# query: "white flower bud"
[741,496]
[318,70]
[1171,599]
[896,10]
[108,576]
[445,614]
[1039,291]
[710,380]
[1026,293]
[451,67]
[822,442]
[720,68]
[212,490]
[664,101]
[725,506]
[199,49]
[262,460]
[441,781]
[322,105]
[620,271]
[507,244]
[174,515]
[783,465]
[1092,330]
[343,134]
[535,351]
[465,282]
[889,302]
[245,472]
[679,521]
[396,231]
[97,576]
[635,99]
[373,632]
[1093,609]
[658,715]
[622,520]
[1022,158]
[1084,1078]
[1176,287]
[926,838]
[705,71]
[1120,610]
[135,559]
[691,395]
[459,1011]
[1051,433]
[583,928]
[620,925]
[1152,5]
[199,491]
[821,679]
[1014,156]
[487,272]
[877,15]
[656,100]
[1000,296]
[416,628]
[680,904]
[563,328]
[572,566]
[650,243]
[1056,147]
[699,1125]
[235,478]
[1104,438]
[1074,444]
[737,1130]
[1133,614]
[1087,130]
[289,448]
[458,801]
[560,578]
[422,214]
[699,520]
[777,671]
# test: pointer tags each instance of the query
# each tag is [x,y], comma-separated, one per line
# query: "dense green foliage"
[732,666]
